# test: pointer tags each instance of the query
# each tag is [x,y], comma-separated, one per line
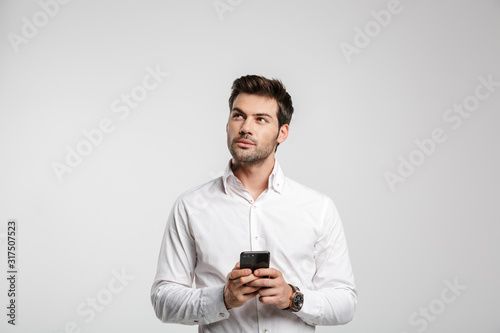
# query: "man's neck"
[254,177]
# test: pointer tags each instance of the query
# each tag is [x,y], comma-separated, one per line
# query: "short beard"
[255,157]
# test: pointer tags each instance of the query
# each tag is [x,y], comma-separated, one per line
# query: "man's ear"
[283,133]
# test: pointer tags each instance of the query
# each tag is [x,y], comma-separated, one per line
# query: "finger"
[237,283]
[248,279]
[237,266]
[262,283]
[250,295]
[268,292]
[249,290]
[271,272]
[269,299]
[237,273]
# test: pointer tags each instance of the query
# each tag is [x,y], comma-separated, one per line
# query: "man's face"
[252,128]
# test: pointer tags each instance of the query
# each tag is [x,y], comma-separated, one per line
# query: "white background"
[355,118]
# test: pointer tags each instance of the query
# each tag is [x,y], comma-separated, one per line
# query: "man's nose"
[246,127]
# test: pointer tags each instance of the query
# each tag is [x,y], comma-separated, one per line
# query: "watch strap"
[295,289]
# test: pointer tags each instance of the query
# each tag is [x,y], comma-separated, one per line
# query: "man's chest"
[288,231]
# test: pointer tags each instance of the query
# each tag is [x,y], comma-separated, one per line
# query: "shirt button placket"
[254,227]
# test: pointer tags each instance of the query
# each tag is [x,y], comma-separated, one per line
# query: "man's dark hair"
[259,85]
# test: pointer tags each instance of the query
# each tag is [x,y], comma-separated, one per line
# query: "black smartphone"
[255,259]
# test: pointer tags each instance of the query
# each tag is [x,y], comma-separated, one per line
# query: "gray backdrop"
[110,110]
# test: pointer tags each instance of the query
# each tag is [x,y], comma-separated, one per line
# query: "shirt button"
[256,237]
[254,206]
[266,330]
[221,314]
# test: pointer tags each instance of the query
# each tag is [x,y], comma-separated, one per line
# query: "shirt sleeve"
[333,299]
[173,296]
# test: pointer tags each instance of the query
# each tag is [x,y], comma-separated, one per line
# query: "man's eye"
[264,120]
[237,115]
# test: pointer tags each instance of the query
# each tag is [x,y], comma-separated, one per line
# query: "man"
[253,206]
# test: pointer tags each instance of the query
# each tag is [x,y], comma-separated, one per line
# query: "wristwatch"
[296,300]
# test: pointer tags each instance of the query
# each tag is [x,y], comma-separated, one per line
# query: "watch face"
[298,300]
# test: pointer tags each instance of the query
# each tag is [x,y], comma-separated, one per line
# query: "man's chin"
[240,156]
[238,150]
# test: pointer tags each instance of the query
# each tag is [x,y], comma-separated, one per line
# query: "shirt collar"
[275,182]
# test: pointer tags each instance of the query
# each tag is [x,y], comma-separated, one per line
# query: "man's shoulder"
[296,188]
[208,188]
[305,196]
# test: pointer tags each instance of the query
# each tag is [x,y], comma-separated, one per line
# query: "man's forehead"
[254,104]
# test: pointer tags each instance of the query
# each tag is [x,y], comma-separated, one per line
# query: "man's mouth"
[245,143]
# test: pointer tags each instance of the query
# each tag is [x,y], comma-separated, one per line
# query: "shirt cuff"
[328,307]
[312,308]
[213,307]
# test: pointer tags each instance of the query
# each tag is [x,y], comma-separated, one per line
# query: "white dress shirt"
[210,225]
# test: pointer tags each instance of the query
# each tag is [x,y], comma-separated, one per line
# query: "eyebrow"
[255,114]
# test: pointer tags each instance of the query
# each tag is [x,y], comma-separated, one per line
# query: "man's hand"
[273,290]
[237,291]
